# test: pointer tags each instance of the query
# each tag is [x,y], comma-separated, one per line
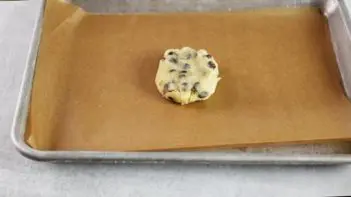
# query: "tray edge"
[19,123]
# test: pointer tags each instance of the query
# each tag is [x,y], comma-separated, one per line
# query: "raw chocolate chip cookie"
[186,75]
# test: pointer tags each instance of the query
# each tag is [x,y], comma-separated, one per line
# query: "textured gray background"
[22,177]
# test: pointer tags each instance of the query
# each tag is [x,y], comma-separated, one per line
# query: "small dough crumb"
[185,75]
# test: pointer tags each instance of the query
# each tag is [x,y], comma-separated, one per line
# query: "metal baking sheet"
[338,15]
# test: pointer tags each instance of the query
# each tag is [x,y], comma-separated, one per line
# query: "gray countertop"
[22,177]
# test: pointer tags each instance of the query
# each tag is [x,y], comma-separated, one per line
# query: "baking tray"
[338,14]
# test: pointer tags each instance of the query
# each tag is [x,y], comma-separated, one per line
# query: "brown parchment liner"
[94,82]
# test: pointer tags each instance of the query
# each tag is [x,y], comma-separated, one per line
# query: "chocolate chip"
[211,65]
[186,66]
[168,87]
[182,75]
[195,87]
[172,70]
[165,88]
[203,94]
[183,71]
[173,60]
[171,53]
[171,99]
[208,56]
[185,86]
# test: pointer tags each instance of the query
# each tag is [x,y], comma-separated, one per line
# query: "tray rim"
[21,114]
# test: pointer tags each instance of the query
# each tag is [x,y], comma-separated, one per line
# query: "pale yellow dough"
[186,75]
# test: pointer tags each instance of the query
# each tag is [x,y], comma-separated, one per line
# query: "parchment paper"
[94,84]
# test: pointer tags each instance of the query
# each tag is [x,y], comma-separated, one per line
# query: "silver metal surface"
[128,6]
[339,19]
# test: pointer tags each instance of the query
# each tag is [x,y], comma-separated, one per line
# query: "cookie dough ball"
[186,75]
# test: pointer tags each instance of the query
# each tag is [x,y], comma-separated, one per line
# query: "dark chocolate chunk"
[208,56]
[171,53]
[171,99]
[172,70]
[183,71]
[195,87]
[167,88]
[185,86]
[203,94]
[186,66]
[173,60]
[211,65]
[182,75]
